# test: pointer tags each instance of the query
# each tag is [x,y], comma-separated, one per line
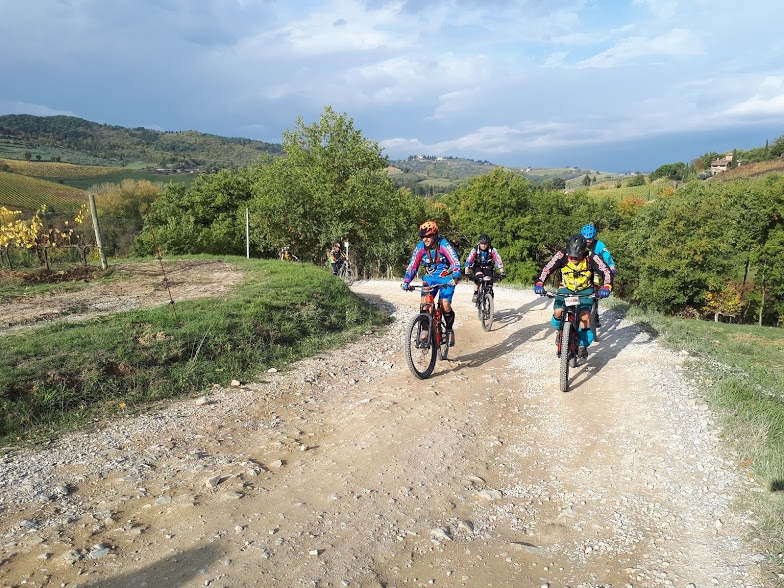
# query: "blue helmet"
[589,231]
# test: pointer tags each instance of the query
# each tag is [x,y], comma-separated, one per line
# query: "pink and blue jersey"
[441,264]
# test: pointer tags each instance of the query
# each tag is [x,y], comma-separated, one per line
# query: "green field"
[125,173]
[27,194]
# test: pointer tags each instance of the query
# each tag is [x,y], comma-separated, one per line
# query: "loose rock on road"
[345,470]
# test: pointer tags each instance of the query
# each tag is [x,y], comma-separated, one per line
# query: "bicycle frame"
[426,337]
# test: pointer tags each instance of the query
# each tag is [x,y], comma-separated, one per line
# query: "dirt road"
[345,470]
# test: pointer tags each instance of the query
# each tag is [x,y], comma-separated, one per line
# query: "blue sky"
[608,85]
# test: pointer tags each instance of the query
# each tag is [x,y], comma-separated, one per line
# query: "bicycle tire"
[486,311]
[347,275]
[595,319]
[566,352]
[421,360]
[443,348]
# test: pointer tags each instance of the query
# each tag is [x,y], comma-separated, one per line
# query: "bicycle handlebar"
[556,295]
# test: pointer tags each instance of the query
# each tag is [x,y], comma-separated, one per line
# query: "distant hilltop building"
[722,164]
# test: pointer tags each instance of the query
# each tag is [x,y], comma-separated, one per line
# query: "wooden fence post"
[98,242]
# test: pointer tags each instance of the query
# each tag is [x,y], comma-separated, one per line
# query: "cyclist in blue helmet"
[597,247]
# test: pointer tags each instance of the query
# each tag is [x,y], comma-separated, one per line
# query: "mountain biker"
[578,268]
[481,262]
[442,266]
[336,258]
[287,255]
[597,247]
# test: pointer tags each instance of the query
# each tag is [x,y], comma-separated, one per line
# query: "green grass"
[61,376]
[741,372]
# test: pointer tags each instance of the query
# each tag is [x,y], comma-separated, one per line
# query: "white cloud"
[768,101]
[676,43]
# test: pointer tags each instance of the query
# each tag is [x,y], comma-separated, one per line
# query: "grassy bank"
[740,370]
[63,375]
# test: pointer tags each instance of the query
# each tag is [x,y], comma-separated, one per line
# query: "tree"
[27,155]
[638,180]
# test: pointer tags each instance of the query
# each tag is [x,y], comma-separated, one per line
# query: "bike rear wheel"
[421,354]
[566,352]
[486,310]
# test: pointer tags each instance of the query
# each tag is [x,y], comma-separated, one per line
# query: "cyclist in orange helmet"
[442,266]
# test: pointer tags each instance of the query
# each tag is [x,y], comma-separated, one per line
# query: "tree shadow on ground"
[612,338]
[176,570]
[512,341]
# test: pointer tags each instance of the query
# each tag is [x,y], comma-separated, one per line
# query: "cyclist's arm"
[556,262]
[454,260]
[601,249]
[498,261]
[413,264]
[470,259]
[603,269]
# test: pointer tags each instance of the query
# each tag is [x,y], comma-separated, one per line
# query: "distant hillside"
[75,140]
[429,175]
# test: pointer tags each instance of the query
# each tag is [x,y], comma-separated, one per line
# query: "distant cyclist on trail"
[287,255]
[336,258]
[578,268]
[482,260]
[442,266]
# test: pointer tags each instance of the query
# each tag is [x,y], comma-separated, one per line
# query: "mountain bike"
[426,338]
[485,305]
[346,272]
[568,339]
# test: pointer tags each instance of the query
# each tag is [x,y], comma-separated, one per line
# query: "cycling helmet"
[484,238]
[576,246]
[589,231]
[286,248]
[336,245]
[428,229]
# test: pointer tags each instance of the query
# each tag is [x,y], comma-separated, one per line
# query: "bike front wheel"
[421,346]
[486,311]
[347,275]
[566,351]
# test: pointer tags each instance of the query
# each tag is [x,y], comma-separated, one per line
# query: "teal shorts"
[585,303]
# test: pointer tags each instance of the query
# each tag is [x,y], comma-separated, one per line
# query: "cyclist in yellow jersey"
[578,268]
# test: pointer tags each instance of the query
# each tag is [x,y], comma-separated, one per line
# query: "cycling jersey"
[441,261]
[599,249]
[579,276]
[484,259]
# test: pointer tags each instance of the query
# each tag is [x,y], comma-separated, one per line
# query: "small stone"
[490,494]
[235,383]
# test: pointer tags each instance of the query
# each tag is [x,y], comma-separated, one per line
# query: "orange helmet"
[428,229]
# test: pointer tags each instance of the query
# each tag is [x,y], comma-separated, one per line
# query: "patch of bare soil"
[346,470]
[132,285]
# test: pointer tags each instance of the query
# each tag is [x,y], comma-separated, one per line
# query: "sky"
[607,85]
